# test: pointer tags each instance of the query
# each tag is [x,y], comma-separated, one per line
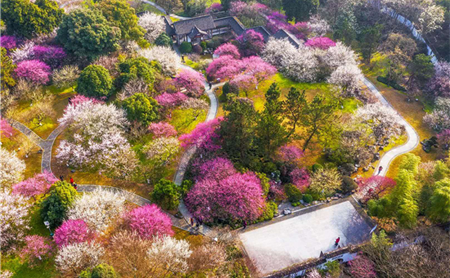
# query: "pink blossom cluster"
[162,129]
[439,85]
[289,153]
[226,195]
[215,169]
[374,187]
[79,99]
[71,232]
[227,67]
[245,82]
[228,49]
[362,267]
[242,8]
[203,136]
[8,42]
[149,221]
[171,100]
[34,70]
[444,139]
[300,178]
[39,184]
[320,42]
[192,81]
[215,7]
[276,190]
[51,55]
[6,130]
[277,21]
[36,248]
[251,42]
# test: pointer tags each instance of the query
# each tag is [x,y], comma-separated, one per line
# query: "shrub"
[348,184]
[142,108]
[135,68]
[34,70]
[391,83]
[149,221]
[269,212]
[166,194]
[229,89]
[99,271]
[293,193]
[316,167]
[54,208]
[307,198]
[197,49]
[94,81]
[185,47]
[163,40]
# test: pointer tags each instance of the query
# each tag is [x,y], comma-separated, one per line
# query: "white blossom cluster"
[168,59]
[11,168]
[153,25]
[174,253]
[73,258]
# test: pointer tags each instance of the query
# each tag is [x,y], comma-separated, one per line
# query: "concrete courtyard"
[296,239]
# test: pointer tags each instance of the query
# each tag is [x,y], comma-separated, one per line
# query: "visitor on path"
[192,221]
[182,58]
[244,224]
[210,85]
[71,181]
[75,186]
[61,178]
[336,243]
[380,169]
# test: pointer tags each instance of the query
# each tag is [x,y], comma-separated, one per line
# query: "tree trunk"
[309,138]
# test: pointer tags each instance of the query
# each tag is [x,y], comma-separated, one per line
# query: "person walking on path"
[380,169]
[192,221]
[244,224]
[71,181]
[210,85]
[336,243]
[61,178]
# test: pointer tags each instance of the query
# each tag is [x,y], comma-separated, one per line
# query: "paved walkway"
[161,9]
[413,137]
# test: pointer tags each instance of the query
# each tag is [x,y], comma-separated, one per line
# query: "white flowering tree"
[14,219]
[169,255]
[339,55]
[23,53]
[169,60]
[384,121]
[11,168]
[153,25]
[72,259]
[162,150]
[298,64]
[347,78]
[319,27]
[98,209]
[439,119]
[98,141]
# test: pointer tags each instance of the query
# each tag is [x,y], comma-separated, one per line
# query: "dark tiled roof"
[231,21]
[195,31]
[263,31]
[169,29]
[281,34]
[204,23]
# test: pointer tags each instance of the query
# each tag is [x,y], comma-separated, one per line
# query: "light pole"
[47,224]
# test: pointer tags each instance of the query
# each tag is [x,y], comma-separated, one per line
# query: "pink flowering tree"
[245,82]
[71,232]
[235,198]
[277,21]
[191,80]
[8,42]
[439,85]
[228,49]
[215,7]
[362,267]
[374,187]
[226,66]
[37,248]
[6,130]
[162,129]
[300,178]
[258,68]
[444,139]
[37,185]
[320,42]
[34,70]
[289,154]
[203,136]
[215,169]
[149,221]
[251,43]
[51,55]
[167,100]
[79,99]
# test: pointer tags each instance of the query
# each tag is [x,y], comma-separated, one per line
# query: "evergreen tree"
[300,9]
[293,109]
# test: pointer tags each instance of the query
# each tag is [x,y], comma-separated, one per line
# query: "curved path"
[413,137]
[161,9]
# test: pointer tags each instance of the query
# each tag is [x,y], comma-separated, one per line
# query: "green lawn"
[184,120]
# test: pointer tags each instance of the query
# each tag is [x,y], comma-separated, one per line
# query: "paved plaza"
[291,241]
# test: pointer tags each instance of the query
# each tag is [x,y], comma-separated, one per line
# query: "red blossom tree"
[6,130]
[149,221]
[34,70]
[162,129]
[191,80]
[228,49]
[251,43]
[300,178]
[362,267]
[203,136]
[51,55]
[71,232]
[374,187]
[39,184]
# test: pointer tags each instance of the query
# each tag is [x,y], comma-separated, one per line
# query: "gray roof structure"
[282,34]
[203,23]
[232,22]
[195,31]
